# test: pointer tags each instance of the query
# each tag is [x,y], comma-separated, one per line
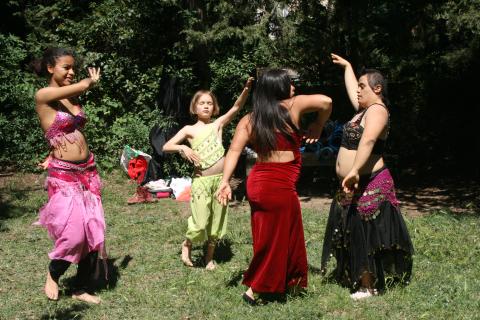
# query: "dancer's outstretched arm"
[237,106]
[240,139]
[351,82]
[48,94]
[319,103]
[175,145]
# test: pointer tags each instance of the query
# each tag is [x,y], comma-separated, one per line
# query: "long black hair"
[268,116]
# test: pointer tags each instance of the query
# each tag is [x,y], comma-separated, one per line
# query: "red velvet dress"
[279,253]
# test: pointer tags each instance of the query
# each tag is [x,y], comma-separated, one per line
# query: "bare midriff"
[72,151]
[346,158]
[217,168]
[278,156]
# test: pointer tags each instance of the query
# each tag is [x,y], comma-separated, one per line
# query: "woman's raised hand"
[224,193]
[339,60]
[94,74]
[312,134]
[248,84]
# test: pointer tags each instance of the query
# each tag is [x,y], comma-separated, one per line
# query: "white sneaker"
[361,294]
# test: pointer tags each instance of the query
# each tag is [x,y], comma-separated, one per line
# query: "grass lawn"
[148,281]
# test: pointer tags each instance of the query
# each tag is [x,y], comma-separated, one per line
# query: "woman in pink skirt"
[73,215]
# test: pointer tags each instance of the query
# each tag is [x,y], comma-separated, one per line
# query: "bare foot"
[86,297]
[211,265]
[209,257]
[51,288]
[186,253]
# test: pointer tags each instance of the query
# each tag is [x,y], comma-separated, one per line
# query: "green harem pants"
[209,217]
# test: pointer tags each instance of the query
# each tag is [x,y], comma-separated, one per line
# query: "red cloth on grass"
[137,167]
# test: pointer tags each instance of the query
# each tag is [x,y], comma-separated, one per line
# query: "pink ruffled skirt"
[73,215]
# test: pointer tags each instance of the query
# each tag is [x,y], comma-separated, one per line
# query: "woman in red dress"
[272,128]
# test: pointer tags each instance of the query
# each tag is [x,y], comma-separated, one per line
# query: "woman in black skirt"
[365,230]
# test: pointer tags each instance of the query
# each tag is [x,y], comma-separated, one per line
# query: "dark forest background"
[155,54]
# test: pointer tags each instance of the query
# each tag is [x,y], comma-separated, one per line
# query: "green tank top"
[208,146]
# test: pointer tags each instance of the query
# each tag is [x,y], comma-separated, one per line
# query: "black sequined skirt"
[380,246]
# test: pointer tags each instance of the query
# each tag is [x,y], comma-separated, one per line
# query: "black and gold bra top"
[352,132]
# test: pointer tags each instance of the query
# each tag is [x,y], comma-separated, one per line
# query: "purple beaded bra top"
[65,126]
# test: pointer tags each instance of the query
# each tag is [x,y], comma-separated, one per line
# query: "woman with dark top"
[365,230]
[73,215]
[279,256]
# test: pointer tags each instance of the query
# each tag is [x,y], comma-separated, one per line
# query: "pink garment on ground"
[163,194]
[73,215]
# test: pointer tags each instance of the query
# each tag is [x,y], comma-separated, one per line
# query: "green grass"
[148,280]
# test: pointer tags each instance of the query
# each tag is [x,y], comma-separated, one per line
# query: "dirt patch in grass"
[418,195]
[452,195]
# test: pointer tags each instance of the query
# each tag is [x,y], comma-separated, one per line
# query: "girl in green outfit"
[209,218]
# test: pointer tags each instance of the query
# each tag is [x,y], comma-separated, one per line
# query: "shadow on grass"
[223,253]
[314,270]
[430,191]
[72,312]
[125,261]
[105,280]
[7,208]
[3,228]
[7,211]
[235,278]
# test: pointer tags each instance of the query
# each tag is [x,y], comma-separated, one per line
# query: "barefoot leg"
[86,297]
[56,269]
[210,264]
[51,288]
[186,253]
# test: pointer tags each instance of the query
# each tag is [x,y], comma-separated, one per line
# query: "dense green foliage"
[428,49]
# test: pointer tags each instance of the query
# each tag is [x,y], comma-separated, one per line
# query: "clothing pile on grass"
[136,164]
